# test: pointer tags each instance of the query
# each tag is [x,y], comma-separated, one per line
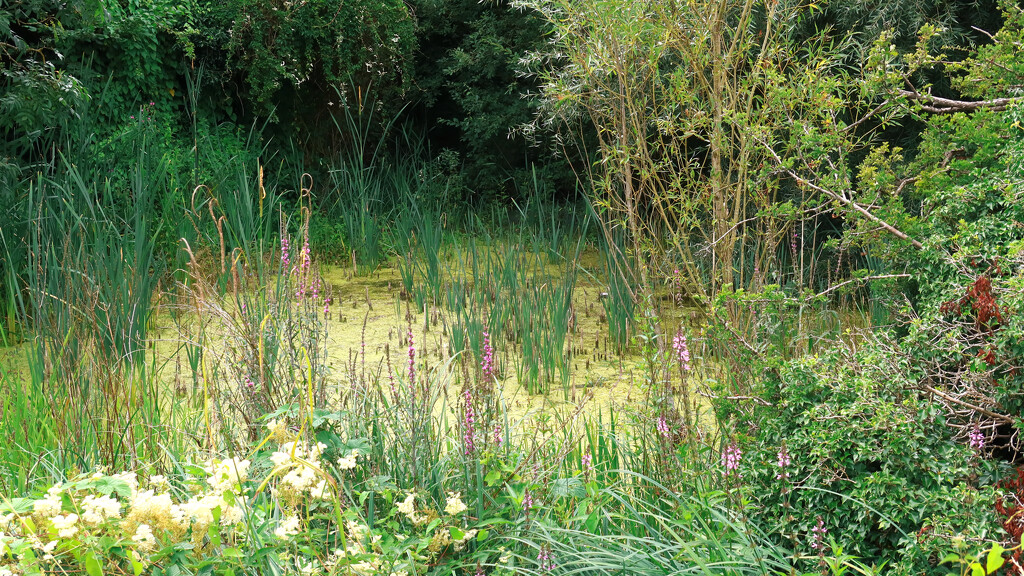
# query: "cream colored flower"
[348,462]
[96,509]
[227,474]
[283,455]
[287,528]
[65,525]
[408,507]
[455,505]
[231,515]
[144,538]
[278,430]
[48,506]
[149,503]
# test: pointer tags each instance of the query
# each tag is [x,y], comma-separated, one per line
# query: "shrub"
[849,445]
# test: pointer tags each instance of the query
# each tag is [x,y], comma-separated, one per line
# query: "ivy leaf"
[995,559]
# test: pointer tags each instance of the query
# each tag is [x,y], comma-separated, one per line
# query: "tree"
[702,110]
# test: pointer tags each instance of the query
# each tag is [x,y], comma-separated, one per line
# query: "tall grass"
[641,527]
[85,298]
[620,298]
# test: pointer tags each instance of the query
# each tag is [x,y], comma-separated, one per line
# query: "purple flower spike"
[783,464]
[487,364]
[976,438]
[663,427]
[731,459]
[682,350]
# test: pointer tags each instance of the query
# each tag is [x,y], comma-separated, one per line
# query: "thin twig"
[864,279]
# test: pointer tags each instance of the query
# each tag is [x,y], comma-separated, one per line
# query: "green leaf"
[93,567]
[105,485]
[568,488]
[456,533]
[995,559]
[493,477]
[591,522]
[482,535]
[20,506]
[977,570]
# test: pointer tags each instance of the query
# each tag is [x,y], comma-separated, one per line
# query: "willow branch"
[937,105]
[864,279]
[842,199]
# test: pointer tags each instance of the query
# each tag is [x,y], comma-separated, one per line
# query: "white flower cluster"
[149,517]
[65,525]
[454,504]
[408,508]
[467,536]
[348,462]
[287,528]
[98,509]
[278,430]
[51,504]
[304,477]
[226,474]
[297,451]
[144,538]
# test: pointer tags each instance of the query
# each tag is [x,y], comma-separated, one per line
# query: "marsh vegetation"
[546,287]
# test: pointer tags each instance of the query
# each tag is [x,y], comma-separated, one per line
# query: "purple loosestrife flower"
[976,438]
[818,536]
[588,464]
[497,434]
[545,560]
[663,427]
[470,423]
[479,570]
[527,502]
[731,459]
[285,251]
[412,362]
[487,364]
[682,350]
[783,463]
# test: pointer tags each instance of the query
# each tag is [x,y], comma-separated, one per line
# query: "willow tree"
[701,108]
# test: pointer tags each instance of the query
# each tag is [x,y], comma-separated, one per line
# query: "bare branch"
[843,200]
[867,116]
[937,105]
[864,279]
[978,409]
